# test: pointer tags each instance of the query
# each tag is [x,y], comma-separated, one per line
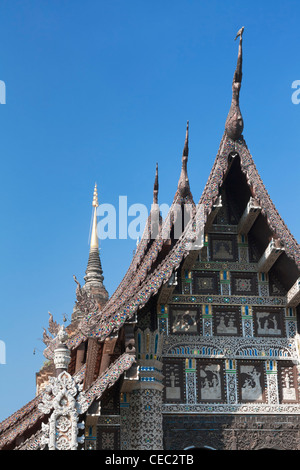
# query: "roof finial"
[186,143]
[240,33]
[155,188]
[234,123]
[183,184]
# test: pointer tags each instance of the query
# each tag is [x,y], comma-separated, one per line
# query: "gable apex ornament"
[234,125]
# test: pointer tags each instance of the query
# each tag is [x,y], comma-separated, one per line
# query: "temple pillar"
[141,410]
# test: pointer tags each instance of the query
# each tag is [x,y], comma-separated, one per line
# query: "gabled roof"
[153,264]
[144,284]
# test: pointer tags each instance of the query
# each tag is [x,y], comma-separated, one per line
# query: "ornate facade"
[199,344]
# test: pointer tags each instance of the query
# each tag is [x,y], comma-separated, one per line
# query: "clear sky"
[100,91]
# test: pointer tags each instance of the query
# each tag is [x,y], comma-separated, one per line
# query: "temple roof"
[153,263]
[155,260]
[144,282]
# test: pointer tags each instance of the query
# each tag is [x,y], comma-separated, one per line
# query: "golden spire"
[94,237]
[95,197]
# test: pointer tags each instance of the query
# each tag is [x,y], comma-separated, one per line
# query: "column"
[145,411]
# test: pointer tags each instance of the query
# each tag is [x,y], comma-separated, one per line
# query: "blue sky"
[99,92]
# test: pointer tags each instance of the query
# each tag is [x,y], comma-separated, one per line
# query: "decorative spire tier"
[234,123]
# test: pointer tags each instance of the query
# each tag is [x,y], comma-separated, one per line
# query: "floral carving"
[61,398]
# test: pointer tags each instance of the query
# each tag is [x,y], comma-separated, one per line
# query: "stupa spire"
[94,242]
[94,273]
[234,123]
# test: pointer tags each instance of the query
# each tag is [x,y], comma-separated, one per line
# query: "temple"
[198,347]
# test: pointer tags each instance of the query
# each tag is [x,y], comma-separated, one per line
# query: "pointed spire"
[183,183]
[155,188]
[234,123]
[94,243]
[94,272]
[155,218]
[186,143]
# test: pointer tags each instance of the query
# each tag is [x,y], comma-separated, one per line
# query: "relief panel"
[211,381]
[244,284]
[275,287]
[226,321]
[223,248]
[205,283]
[268,321]
[173,381]
[184,320]
[108,438]
[251,382]
[288,387]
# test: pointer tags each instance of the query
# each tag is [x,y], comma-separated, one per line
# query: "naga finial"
[234,123]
